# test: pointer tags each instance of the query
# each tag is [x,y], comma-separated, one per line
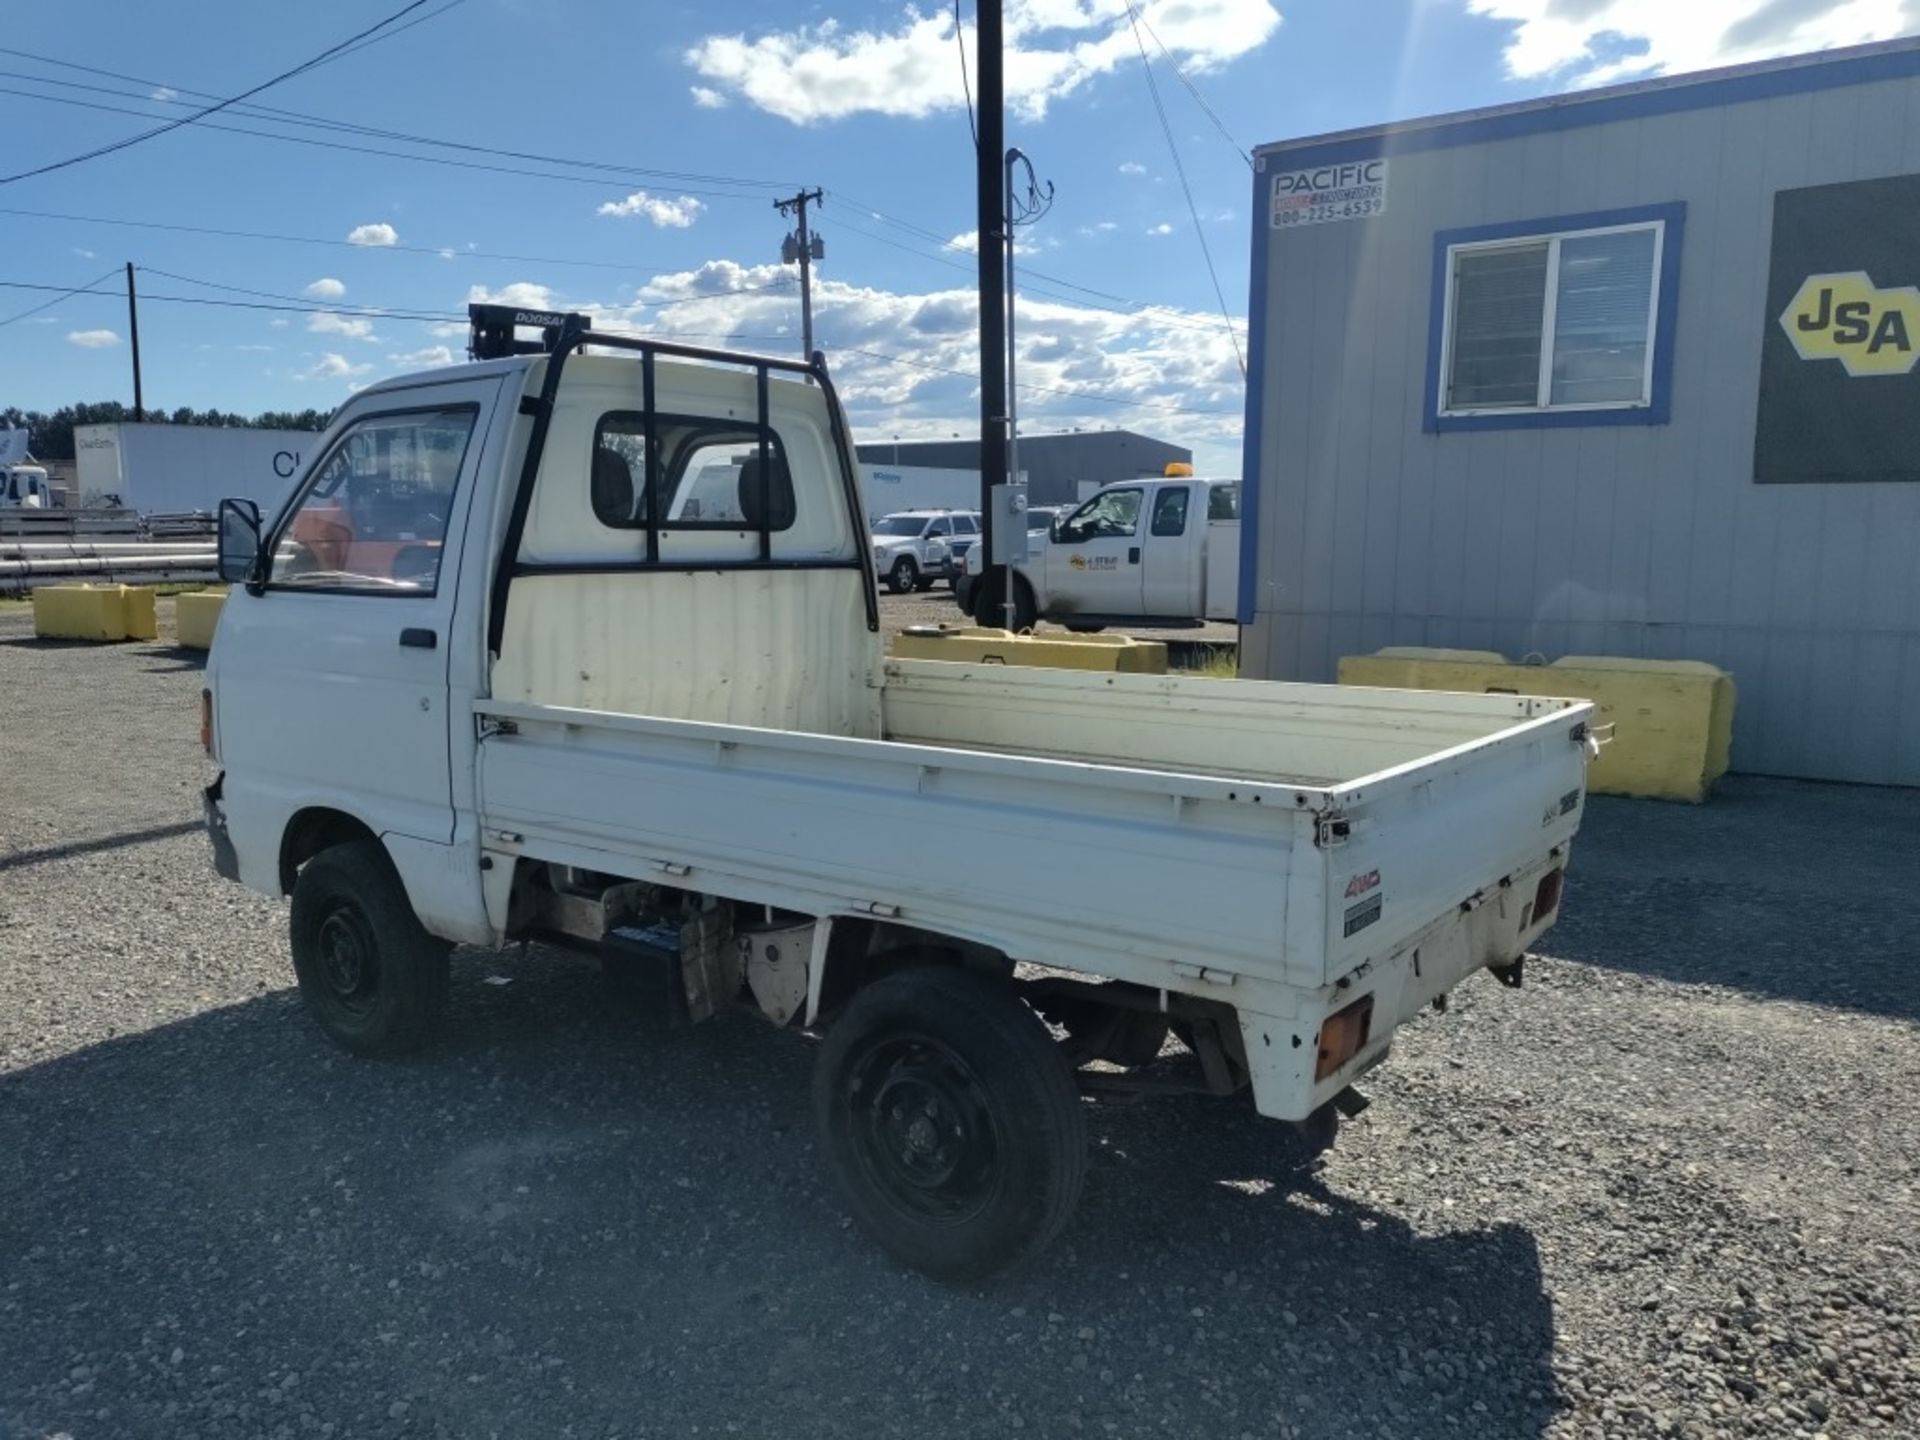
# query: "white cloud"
[446,254]
[1100,227]
[967,240]
[327,288]
[333,367]
[668,214]
[377,233]
[425,359]
[279,322]
[1149,360]
[1163,228]
[353,327]
[92,339]
[85,254]
[1053,48]
[254,349]
[708,98]
[165,92]
[1132,167]
[1598,42]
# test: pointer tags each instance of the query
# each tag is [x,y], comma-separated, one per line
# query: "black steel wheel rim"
[349,958]
[922,1127]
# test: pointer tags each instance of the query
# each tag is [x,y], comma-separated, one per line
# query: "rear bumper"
[226,861]
[1283,1052]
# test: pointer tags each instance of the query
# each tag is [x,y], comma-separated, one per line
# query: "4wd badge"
[1846,317]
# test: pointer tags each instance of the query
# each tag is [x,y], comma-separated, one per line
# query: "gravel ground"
[1669,1188]
[937,607]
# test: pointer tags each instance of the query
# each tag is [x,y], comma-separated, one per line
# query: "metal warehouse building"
[1055,465]
[1626,372]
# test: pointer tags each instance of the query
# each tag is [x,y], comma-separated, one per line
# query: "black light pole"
[993,296]
[133,335]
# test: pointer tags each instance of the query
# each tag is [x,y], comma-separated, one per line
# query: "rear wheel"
[952,1121]
[369,973]
[903,576]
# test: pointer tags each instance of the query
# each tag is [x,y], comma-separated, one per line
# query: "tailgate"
[1411,845]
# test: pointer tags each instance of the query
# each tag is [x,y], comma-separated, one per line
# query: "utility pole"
[989,145]
[806,248]
[133,334]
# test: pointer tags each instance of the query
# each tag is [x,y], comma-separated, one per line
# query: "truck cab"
[25,487]
[1161,552]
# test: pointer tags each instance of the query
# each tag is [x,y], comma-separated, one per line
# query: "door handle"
[416,637]
[1133,554]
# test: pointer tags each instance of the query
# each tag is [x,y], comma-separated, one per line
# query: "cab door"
[1093,565]
[1170,586]
[331,681]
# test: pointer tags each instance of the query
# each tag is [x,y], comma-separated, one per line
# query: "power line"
[278,115]
[447,160]
[446,252]
[966,86]
[424,317]
[49,304]
[1193,90]
[184,120]
[1199,230]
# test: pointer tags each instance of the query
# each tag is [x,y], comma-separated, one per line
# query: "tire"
[925,582]
[372,977]
[987,1173]
[990,609]
[904,575]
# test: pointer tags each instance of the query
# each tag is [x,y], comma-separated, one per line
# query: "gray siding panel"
[1627,540]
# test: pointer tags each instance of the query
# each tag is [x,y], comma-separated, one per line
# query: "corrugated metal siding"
[1650,541]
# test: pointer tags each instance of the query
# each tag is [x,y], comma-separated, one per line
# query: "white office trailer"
[1627,372]
[171,469]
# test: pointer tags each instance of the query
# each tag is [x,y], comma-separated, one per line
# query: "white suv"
[914,548]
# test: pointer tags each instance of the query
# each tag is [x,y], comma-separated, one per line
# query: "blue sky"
[738,101]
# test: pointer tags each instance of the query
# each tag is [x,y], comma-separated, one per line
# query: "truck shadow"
[560,1217]
[1793,889]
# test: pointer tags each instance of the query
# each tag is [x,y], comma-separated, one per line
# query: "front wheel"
[952,1121]
[369,973]
[903,576]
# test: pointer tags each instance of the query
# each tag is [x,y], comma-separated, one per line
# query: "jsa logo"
[1847,318]
[1361,884]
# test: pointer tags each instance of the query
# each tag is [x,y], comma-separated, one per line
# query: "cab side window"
[1110,514]
[1170,511]
[373,514]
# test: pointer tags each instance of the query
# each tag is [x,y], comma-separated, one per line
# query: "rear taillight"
[1343,1035]
[206,722]
[1546,898]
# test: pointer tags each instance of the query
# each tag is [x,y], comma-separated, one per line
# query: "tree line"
[50,433]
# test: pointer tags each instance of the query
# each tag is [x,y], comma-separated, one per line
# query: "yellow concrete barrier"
[194,617]
[974,645]
[94,612]
[1672,719]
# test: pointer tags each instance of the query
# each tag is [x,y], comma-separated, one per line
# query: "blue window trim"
[1660,408]
[1898,60]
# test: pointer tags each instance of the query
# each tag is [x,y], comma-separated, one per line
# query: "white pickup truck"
[1163,553]
[475,683]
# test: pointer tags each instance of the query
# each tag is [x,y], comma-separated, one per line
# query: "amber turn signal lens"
[1343,1035]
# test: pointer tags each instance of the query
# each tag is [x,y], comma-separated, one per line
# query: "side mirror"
[1056,530]
[239,541]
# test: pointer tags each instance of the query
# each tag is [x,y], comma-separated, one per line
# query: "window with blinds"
[1552,322]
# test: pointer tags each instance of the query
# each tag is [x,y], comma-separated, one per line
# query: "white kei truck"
[475,684]
[1163,553]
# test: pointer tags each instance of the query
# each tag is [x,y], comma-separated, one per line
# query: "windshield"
[909,525]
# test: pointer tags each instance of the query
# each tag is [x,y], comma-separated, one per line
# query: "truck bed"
[1140,828]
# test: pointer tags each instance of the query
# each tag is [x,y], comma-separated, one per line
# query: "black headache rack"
[493,336]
